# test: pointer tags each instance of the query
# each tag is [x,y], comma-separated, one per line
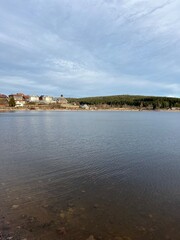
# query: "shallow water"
[69,175]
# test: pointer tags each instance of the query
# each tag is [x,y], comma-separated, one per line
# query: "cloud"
[90,47]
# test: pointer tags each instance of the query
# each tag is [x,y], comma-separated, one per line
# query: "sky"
[90,47]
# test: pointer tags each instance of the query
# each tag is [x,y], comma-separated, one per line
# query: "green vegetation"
[12,102]
[141,102]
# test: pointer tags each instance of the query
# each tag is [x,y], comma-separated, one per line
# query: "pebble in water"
[96,206]
[61,230]
[62,214]
[15,206]
[91,237]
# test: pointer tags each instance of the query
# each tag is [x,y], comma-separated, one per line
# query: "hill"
[133,101]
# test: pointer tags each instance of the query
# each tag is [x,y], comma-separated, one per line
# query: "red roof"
[26,96]
[3,96]
[19,94]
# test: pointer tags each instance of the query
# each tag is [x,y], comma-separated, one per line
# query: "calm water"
[69,175]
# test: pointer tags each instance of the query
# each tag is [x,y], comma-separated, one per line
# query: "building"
[62,100]
[3,96]
[3,100]
[34,99]
[46,99]
[19,99]
[26,98]
[85,106]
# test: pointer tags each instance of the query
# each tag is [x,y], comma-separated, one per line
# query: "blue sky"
[90,47]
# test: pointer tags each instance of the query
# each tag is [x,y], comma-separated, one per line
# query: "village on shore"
[34,102]
[21,101]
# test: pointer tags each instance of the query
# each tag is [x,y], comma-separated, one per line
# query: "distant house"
[62,100]
[85,106]
[34,99]
[46,99]
[3,100]
[19,99]
[3,96]
[26,98]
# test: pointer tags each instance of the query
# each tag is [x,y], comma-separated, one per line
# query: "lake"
[90,175]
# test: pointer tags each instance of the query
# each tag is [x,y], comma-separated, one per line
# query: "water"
[69,175]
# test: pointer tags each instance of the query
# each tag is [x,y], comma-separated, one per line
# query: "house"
[85,106]
[46,99]
[3,100]
[19,99]
[34,99]
[3,96]
[62,100]
[26,98]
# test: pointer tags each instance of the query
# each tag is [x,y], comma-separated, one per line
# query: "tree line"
[130,101]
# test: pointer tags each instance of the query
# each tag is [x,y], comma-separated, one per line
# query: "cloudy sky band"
[90,48]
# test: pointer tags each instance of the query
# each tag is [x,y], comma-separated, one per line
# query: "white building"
[19,99]
[62,100]
[20,103]
[46,99]
[85,106]
[34,99]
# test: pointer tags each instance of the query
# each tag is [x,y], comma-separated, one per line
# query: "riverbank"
[20,109]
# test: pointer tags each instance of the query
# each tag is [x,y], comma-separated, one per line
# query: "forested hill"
[129,100]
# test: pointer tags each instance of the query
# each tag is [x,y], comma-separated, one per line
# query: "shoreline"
[5,110]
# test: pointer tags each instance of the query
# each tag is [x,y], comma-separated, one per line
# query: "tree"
[154,106]
[12,102]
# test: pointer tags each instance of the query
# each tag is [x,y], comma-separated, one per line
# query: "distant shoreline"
[5,110]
